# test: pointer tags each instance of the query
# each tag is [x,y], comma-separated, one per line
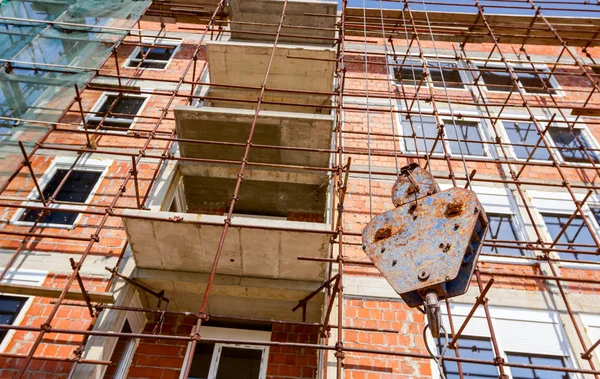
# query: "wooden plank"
[21,289]
[585,112]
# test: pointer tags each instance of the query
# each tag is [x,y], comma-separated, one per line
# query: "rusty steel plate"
[405,191]
[429,244]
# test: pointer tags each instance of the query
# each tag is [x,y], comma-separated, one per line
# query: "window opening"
[10,307]
[122,114]
[575,233]
[526,134]
[568,147]
[501,228]
[77,189]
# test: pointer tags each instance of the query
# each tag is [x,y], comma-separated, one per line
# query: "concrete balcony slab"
[254,247]
[278,129]
[309,22]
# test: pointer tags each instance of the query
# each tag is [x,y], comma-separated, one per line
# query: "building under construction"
[184,186]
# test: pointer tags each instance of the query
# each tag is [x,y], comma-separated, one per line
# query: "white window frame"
[136,323]
[416,61]
[478,327]
[84,164]
[233,334]
[102,100]
[591,323]
[26,277]
[467,117]
[561,203]
[159,42]
[525,65]
[524,118]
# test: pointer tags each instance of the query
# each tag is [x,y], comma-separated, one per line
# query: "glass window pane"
[10,306]
[467,131]
[532,81]
[568,147]
[128,105]
[451,76]
[539,360]
[496,80]
[526,134]
[423,126]
[472,348]
[501,228]
[239,363]
[76,188]
[201,361]
[156,53]
[576,233]
[410,74]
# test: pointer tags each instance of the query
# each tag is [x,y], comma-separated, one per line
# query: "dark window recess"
[122,113]
[77,188]
[501,228]
[10,306]
[498,79]
[526,134]
[152,57]
[471,348]
[201,360]
[576,233]
[568,147]
[467,131]
[423,126]
[538,360]
[534,82]
[495,78]
[411,75]
[239,363]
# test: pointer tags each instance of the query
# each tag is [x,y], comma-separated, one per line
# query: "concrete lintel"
[58,263]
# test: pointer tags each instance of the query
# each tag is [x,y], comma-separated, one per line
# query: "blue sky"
[576,8]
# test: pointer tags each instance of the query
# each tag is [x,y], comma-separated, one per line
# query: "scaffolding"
[377,39]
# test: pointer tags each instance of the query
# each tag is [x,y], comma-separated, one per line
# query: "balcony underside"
[253,247]
[283,129]
[301,14]
[233,296]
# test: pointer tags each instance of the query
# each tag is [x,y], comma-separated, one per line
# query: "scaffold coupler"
[427,247]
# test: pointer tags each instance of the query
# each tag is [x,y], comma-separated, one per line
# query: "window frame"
[502,314]
[416,61]
[467,117]
[590,321]
[561,203]
[100,102]
[159,42]
[233,334]
[98,165]
[523,65]
[551,145]
[20,276]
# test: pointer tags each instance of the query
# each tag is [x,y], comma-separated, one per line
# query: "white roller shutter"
[517,330]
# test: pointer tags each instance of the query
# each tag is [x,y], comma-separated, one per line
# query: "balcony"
[258,273]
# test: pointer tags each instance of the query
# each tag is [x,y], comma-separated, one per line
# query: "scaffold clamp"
[427,246]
